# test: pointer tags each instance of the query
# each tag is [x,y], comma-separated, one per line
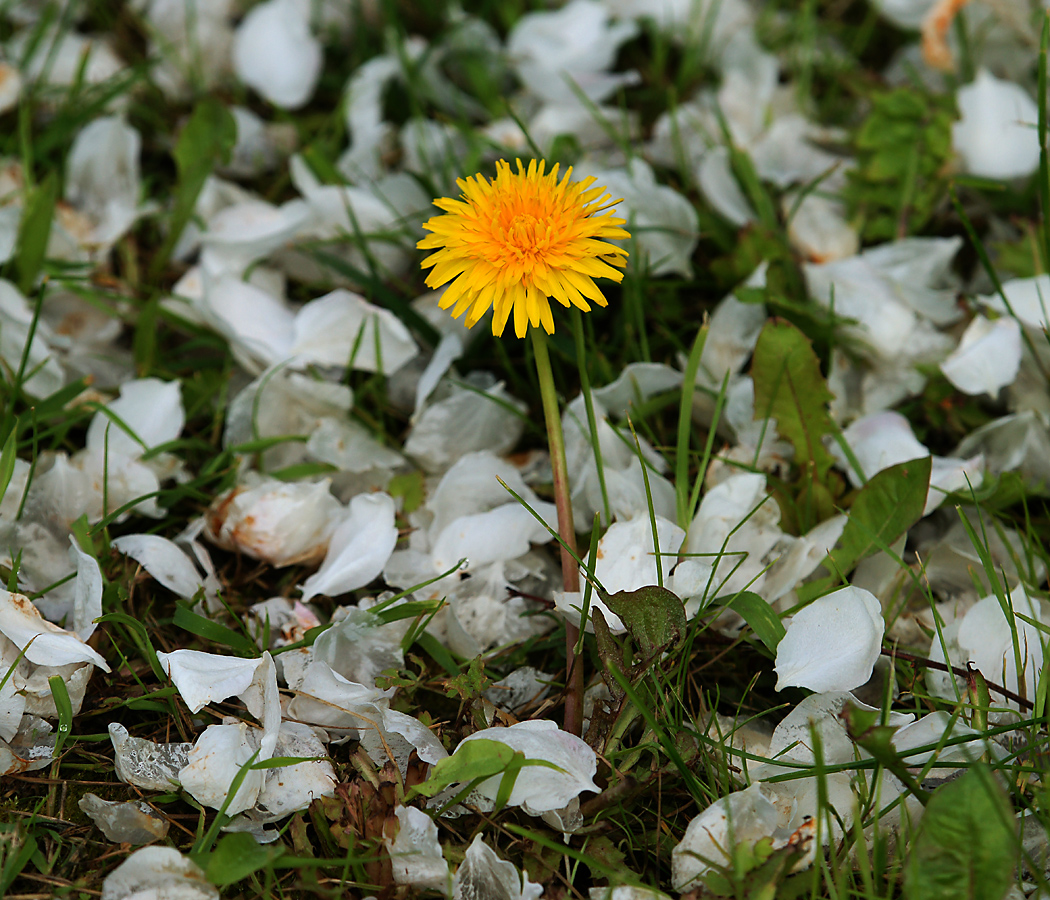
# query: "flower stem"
[566,530]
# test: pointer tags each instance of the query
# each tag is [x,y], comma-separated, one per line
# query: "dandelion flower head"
[516,241]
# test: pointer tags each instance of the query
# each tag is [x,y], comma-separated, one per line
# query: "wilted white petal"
[291,788]
[819,228]
[158,873]
[275,53]
[278,522]
[539,788]
[132,822]
[996,135]
[987,358]
[483,874]
[415,854]
[44,643]
[324,697]
[343,329]
[31,748]
[146,764]
[833,643]
[627,556]
[358,549]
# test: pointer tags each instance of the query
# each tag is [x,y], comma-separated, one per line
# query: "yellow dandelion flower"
[516,241]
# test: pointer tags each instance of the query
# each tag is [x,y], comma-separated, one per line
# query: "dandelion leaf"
[965,846]
[790,388]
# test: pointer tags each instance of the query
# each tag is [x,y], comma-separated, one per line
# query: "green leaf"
[34,231]
[886,507]
[7,461]
[236,856]
[64,707]
[473,760]
[965,847]
[653,616]
[760,617]
[790,388]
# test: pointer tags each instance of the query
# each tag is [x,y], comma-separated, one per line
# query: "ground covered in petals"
[283,610]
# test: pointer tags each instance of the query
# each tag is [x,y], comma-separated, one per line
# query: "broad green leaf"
[760,617]
[886,507]
[652,615]
[34,231]
[790,387]
[965,848]
[236,856]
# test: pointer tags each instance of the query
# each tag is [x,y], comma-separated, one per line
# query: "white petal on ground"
[483,874]
[158,873]
[151,408]
[987,358]
[343,329]
[350,447]
[985,638]
[16,322]
[44,643]
[204,678]
[257,324]
[275,53]
[32,747]
[661,221]
[1029,300]
[102,177]
[213,763]
[996,136]
[481,416]
[281,523]
[742,817]
[572,44]
[87,591]
[288,789]
[720,187]
[358,549]
[10,86]
[627,556]
[503,533]
[833,643]
[415,854]
[539,788]
[165,561]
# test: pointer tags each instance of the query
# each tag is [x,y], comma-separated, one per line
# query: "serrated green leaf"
[886,507]
[966,848]
[790,387]
[653,616]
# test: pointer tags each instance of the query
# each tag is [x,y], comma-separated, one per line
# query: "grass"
[691,699]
